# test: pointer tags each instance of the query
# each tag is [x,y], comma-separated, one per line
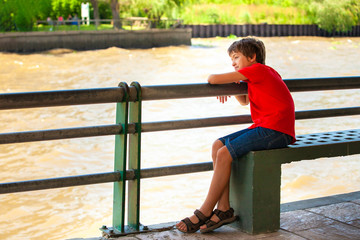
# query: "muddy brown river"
[78,212]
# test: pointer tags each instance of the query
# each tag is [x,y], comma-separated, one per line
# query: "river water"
[79,211]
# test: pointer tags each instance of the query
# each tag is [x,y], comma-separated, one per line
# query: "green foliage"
[6,16]
[152,9]
[44,9]
[72,7]
[283,3]
[210,14]
[23,20]
[104,10]
[20,15]
[65,8]
[332,15]
[74,27]
[246,17]
[243,14]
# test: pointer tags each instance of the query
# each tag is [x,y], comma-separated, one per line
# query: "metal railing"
[128,128]
[132,23]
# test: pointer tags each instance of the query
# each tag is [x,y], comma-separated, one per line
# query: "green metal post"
[134,161]
[255,192]
[120,161]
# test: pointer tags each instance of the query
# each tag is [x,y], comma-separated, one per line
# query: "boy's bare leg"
[224,202]
[219,184]
[219,188]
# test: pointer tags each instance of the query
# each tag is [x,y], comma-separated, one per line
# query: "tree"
[65,8]
[115,13]
[332,15]
[21,15]
[155,9]
[95,6]
[6,16]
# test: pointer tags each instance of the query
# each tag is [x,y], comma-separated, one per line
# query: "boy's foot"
[192,224]
[218,219]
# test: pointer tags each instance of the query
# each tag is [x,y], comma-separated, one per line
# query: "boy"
[272,111]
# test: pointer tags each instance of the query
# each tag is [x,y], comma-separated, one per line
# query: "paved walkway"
[332,218]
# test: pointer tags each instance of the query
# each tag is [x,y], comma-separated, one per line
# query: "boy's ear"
[253,58]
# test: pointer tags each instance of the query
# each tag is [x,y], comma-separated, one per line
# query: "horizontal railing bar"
[176,169]
[61,182]
[242,119]
[56,134]
[60,98]
[104,130]
[195,123]
[160,92]
[163,92]
[51,183]
[324,113]
[322,84]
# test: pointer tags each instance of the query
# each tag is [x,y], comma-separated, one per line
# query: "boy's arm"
[242,99]
[229,78]
[226,78]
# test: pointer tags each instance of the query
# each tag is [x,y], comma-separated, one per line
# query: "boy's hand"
[223,99]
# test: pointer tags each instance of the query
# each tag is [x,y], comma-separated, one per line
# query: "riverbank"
[28,42]
[266,30]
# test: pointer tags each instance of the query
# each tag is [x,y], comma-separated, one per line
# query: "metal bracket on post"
[134,162]
[122,113]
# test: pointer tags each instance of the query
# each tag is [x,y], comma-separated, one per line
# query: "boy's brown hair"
[248,47]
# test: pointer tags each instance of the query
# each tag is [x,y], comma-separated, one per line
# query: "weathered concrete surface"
[224,233]
[333,221]
[87,40]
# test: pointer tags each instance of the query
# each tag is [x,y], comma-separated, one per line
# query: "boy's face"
[239,61]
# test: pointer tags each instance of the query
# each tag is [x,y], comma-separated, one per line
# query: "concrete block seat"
[255,179]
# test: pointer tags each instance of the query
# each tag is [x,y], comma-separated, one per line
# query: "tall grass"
[92,27]
[231,13]
[285,3]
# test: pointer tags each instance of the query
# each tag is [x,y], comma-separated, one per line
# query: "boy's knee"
[217,145]
[223,155]
[215,148]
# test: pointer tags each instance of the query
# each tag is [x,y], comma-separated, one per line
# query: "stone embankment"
[29,42]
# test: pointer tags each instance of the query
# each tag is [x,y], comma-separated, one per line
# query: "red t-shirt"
[271,104]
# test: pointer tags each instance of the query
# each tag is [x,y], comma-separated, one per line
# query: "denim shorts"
[259,138]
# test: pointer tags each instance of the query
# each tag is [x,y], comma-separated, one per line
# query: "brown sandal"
[225,218]
[193,227]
